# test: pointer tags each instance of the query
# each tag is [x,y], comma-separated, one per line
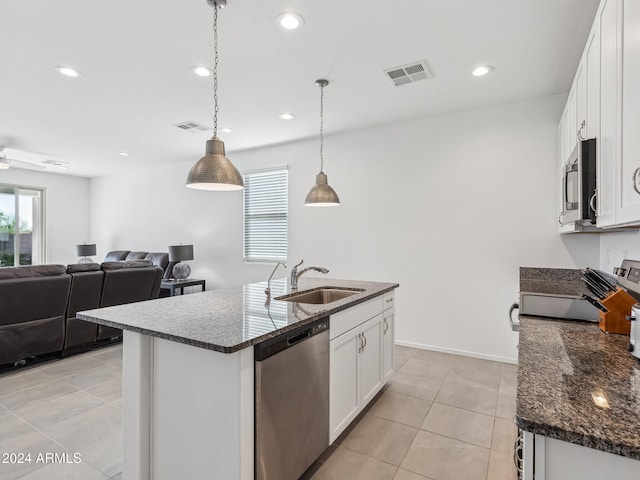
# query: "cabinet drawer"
[388,300]
[344,321]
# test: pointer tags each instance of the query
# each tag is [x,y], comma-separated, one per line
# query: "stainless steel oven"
[579,185]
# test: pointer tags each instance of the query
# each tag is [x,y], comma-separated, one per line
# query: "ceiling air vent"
[56,163]
[192,127]
[410,73]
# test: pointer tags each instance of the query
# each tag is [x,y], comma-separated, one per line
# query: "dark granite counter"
[578,384]
[230,319]
[552,281]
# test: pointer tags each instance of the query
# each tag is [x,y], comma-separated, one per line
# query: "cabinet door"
[562,157]
[592,56]
[629,207]
[610,106]
[343,381]
[370,360]
[571,124]
[388,340]
[581,99]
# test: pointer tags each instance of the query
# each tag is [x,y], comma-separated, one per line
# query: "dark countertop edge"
[587,441]
[247,343]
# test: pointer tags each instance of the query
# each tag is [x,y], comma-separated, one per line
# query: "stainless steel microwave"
[579,185]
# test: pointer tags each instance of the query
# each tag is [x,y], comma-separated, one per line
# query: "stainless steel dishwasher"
[292,401]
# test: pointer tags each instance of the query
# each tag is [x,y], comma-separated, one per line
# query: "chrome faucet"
[267,290]
[295,275]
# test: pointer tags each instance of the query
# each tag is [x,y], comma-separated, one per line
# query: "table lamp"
[85,252]
[181,253]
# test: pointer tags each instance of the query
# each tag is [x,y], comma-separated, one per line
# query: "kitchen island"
[578,402]
[188,371]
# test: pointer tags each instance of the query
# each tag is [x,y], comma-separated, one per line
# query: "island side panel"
[137,354]
[203,410]
[196,405]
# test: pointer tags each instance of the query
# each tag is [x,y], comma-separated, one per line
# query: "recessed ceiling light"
[287,116]
[202,71]
[68,72]
[123,154]
[225,130]
[481,71]
[290,21]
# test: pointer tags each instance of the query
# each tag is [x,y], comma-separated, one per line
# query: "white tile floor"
[442,417]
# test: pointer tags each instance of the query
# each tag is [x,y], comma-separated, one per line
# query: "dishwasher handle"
[298,338]
[268,348]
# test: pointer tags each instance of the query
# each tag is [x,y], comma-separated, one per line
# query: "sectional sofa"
[38,305]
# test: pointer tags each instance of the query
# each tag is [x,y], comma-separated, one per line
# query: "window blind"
[265,215]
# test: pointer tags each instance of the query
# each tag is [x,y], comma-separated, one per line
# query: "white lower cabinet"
[369,360]
[550,459]
[388,340]
[361,360]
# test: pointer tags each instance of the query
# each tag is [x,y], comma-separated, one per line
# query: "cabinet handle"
[389,300]
[579,135]
[365,341]
[386,325]
[361,343]
[592,205]
[636,180]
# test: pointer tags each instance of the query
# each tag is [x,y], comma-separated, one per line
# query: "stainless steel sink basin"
[320,295]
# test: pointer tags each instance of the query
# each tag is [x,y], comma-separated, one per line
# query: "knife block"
[619,305]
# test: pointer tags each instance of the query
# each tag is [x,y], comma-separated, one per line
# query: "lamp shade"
[214,171]
[180,253]
[86,250]
[321,194]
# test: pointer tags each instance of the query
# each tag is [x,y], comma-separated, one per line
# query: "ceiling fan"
[8,160]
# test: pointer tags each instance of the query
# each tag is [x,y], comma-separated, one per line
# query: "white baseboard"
[495,358]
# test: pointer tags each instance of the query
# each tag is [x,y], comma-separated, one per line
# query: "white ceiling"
[135,57]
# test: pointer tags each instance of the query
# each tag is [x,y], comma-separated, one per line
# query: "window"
[21,226]
[265,215]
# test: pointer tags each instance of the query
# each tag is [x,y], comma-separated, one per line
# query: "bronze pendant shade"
[321,194]
[215,171]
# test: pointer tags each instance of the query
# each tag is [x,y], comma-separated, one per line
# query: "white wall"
[448,206]
[615,247]
[66,210]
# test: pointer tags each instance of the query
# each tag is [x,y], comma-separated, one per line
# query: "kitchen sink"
[320,295]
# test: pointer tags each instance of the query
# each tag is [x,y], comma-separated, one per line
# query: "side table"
[173,285]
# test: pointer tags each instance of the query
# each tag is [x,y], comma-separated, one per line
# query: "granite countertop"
[578,384]
[552,281]
[230,319]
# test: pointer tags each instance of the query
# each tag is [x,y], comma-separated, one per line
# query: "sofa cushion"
[83,267]
[116,255]
[7,273]
[161,259]
[136,255]
[126,264]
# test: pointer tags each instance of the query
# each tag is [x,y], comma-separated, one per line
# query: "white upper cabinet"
[604,103]
[577,121]
[592,97]
[628,201]
[610,89]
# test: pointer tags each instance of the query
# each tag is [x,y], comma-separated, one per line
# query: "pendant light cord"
[215,69]
[321,126]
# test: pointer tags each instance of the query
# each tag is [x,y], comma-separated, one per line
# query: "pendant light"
[321,194]
[215,171]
